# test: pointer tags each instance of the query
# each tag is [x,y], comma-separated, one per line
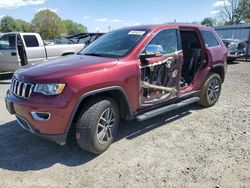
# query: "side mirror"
[152,50]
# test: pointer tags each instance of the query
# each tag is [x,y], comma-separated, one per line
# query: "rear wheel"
[97,125]
[211,90]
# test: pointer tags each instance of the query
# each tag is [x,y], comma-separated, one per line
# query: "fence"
[241,31]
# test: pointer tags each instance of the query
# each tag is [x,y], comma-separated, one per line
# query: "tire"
[210,91]
[97,125]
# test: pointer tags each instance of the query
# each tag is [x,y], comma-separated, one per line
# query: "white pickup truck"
[19,49]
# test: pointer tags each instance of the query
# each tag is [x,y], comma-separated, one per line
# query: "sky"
[103,15]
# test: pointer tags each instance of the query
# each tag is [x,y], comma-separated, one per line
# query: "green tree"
[208,21]
[73,27]
[23,25]
[195,23]
[48,24]
[8,24]
[247,13]
[235,11]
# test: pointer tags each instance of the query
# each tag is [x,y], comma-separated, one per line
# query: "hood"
[55,70]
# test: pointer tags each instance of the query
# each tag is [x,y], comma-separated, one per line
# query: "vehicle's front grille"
[21,89]
[241,46]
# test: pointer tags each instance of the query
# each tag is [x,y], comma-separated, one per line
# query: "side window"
[209,39]
[167,39]
[8,42]
[30,40]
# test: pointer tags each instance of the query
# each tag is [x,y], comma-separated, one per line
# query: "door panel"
[9,60]
[160,75]
[35,51]
[35,54]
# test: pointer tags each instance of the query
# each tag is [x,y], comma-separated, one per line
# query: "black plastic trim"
[57,138]
[219,66]
[98,91]
[166,109]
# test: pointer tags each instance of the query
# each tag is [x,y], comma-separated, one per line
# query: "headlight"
[49,89]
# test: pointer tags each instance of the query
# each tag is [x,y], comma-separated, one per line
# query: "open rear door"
[9,60]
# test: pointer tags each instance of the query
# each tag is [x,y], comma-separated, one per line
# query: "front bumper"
[58,138]
[54,129]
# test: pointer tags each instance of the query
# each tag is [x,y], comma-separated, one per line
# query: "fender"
[98,91]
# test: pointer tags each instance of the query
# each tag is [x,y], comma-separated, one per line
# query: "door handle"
[13,53]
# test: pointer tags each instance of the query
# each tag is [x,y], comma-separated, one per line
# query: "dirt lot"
[191,147]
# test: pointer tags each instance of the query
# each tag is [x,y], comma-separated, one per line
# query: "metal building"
[241,31]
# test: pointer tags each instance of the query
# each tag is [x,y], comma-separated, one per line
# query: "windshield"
[115,44]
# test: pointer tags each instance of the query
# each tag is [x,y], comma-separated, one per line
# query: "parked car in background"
[136,72]
[19,49]
[81,38]
[236,48]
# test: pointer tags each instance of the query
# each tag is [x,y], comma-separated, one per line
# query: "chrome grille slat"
[12,85]
[24,90]
[21,89]
[31,88]
[18,88]
[15,87]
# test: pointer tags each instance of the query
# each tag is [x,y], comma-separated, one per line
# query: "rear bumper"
[58,138]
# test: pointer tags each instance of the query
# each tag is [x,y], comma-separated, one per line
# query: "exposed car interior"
[160,80]
[191,54]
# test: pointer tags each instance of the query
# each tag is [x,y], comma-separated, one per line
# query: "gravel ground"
[190,147]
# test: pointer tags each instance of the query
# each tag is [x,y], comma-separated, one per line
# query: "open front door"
[161,63]
[9,60]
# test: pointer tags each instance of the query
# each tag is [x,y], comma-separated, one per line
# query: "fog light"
[41,116]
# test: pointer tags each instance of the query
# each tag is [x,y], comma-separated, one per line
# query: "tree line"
[49,25]
[231,12]
[45,22]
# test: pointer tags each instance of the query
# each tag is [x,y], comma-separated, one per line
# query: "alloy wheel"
[213,91]
[106,124]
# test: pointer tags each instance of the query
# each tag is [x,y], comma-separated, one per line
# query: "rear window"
[30,41]
[209,39]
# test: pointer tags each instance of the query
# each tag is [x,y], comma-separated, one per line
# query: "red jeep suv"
[136,72]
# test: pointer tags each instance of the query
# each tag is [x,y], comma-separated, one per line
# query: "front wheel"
[97,125]
[211,90]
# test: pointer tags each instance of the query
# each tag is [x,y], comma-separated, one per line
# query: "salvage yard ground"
[193,147]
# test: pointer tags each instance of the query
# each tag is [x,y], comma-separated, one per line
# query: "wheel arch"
[115,92]
[219,69]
